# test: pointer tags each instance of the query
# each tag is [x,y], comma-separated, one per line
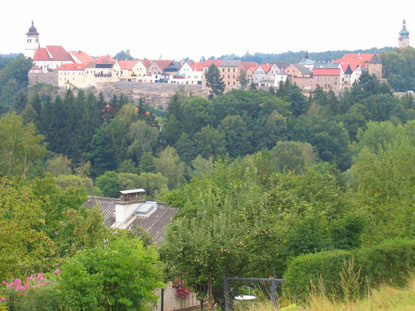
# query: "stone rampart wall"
[45,78]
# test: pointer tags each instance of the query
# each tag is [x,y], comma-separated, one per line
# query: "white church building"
[45,59]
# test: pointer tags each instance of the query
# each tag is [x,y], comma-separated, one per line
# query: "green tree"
[398,68]
[123,55]
[147,163]
[59,165]
[235,131]
[243,80]
[201,166]
[109,185]
[210,142]
[128,166]
[13,80]
[214,81]
[293,156]
[24,244]
[142,137]
[154,184]
[170,166]
[20,147]
[121,274]
[186,148]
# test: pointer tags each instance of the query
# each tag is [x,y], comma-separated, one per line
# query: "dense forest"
[260,178]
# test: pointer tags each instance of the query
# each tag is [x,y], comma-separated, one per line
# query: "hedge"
[390,262]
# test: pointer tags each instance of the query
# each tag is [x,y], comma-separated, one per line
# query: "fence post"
[210,292]
[227,302]
[274,289]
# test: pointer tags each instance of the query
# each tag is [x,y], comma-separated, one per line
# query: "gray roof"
[155,224]
[282,65]
[327,65]
[375,60]
[307,61]
[230,63]
[302,69]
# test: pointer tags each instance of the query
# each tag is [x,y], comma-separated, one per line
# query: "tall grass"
[384,298]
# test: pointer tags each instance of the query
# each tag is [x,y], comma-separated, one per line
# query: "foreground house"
[130,212]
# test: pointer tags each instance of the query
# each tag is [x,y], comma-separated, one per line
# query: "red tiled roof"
[72,66]
[192,65]
[105,60]
[355,60]
[163,63]
[41,54]
[127,64]
[82,56]
[146,62]
[248,65]
[208,63]
[326,72]
[59,53]
[266,67]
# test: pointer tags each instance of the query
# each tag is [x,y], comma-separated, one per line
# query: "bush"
[389,262]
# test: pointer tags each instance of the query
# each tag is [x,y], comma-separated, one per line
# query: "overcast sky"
[176,29]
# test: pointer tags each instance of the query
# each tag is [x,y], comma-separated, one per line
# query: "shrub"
[389,262]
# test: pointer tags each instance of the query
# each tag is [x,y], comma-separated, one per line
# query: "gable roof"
[266,67]
[163,63]
[326,72]
[302,69]
[105,60]
[248,65]
[146,62]
[282,65]
[82,56]
[41,54]
[127,64]
[172,67]
[355,60]
[155,224]
[58,53]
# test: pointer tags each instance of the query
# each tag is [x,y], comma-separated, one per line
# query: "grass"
[386,298]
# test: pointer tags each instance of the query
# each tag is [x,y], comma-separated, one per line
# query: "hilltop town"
[78,70]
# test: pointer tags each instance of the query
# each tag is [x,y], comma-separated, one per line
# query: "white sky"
[176,29]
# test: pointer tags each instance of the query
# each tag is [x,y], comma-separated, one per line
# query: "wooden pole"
[210,292]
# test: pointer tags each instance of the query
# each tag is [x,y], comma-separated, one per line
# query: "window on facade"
[233,69]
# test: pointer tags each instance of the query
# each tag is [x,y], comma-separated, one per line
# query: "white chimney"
[126,207]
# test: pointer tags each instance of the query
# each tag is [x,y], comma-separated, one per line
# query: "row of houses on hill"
[76,69]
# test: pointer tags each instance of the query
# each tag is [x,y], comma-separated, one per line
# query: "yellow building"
[71,76]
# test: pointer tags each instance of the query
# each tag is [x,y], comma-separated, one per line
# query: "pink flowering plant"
[181,290]
[19,292]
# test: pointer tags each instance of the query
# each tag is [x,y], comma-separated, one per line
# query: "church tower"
[32,42]
[403,36]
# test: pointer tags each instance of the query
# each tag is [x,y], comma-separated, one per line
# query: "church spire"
[32,41]
[403,36]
